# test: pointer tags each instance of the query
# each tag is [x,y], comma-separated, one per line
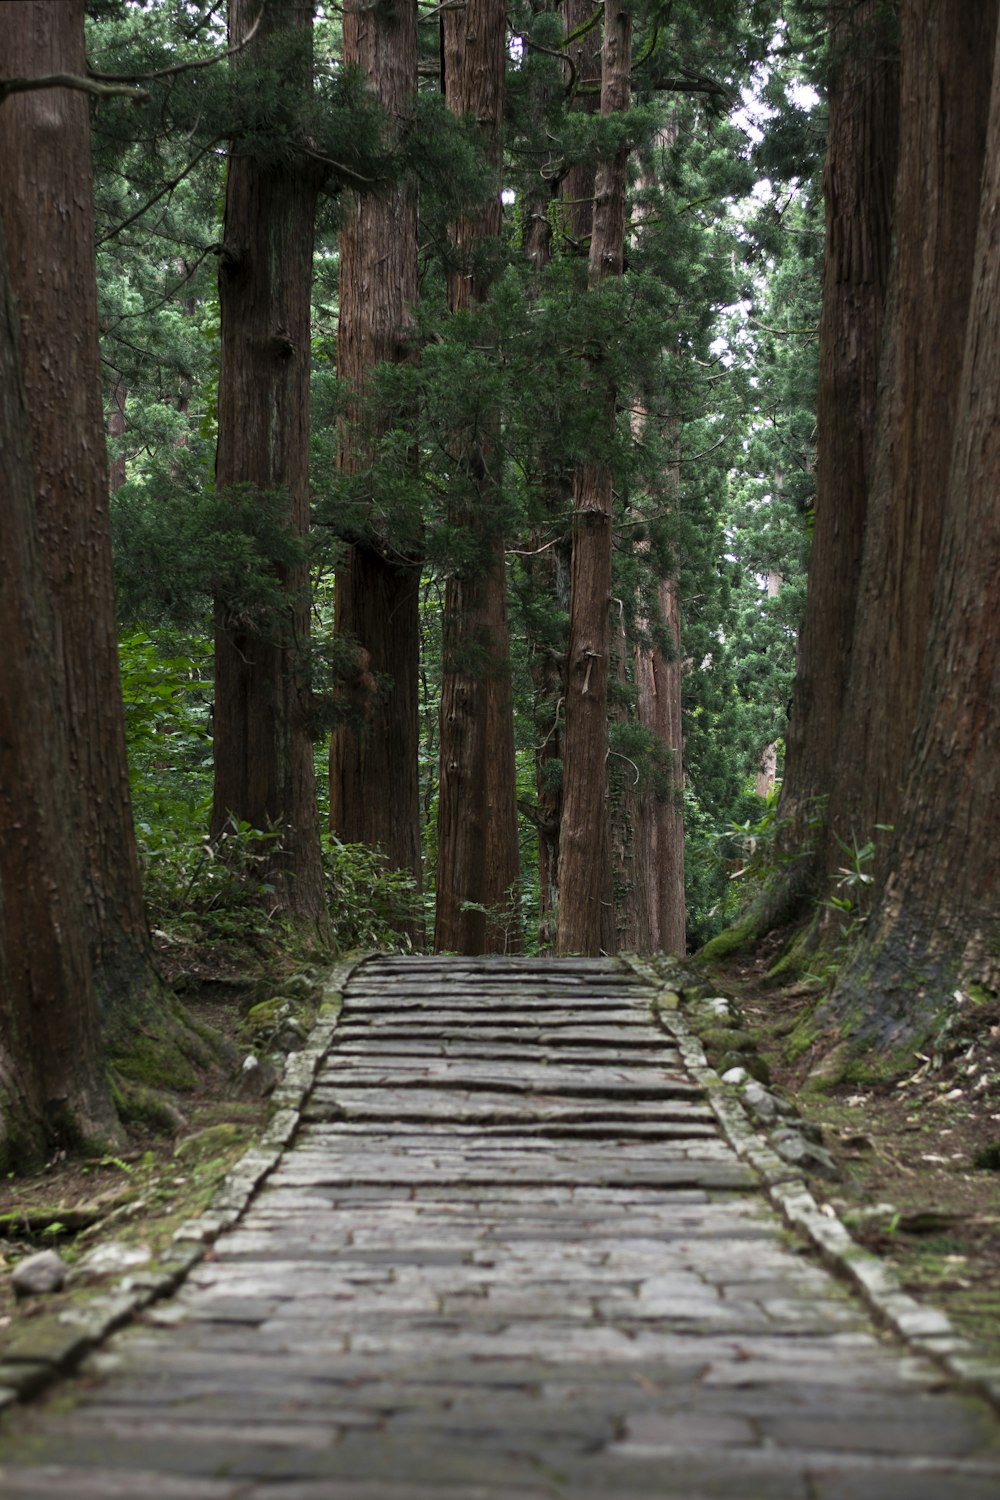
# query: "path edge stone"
[52,1345]
[924,1330]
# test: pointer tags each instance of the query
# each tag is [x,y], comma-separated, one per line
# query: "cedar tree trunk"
[46,204]
[934,930]
[660,829]
[586,916]
[53,1089]
[947,52]
[374,787]
[478,856]
[859,187]
[263,750]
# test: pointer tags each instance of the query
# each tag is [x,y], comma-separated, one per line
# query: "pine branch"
[167,188]
[71,81]
[185,67]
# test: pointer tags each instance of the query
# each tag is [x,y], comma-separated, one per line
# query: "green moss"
[156,1062]
[140,1105]
[264,1018]
[726,1038]
[739,938]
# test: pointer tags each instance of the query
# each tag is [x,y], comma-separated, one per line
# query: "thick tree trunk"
[46,204]
[374,787]
[478,856]
[859,187]
[53,1089]
[263,751]
[934,928]
[947,51]
[586,917]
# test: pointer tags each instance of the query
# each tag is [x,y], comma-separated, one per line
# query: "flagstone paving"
[508,1256]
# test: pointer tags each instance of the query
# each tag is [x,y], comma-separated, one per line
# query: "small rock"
[719,1006]
[301,986]
[107,1260]
[870,1214]
[792,1147]
[761,1103]
[735,1075]
[256,1079]
[44,1272]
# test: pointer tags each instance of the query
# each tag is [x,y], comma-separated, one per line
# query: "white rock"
[44,1272]
[104,1260]
[735,1075]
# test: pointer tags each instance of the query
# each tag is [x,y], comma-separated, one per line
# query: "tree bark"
[586,916]
[374,786]
[263,750]
[947,52]
[859,187]
[46,204]
[551,570]
[934,929]
[478,856]
[660,829]
[53,1089]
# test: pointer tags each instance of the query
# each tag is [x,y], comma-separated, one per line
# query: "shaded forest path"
[507,1257]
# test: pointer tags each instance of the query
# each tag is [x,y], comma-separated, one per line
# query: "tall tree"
[946,69]
[478,855]
[859,187]
[264,772]
[53,1088]
[934,927]
[46,204]
[552,567]
[374,790]
[586,918]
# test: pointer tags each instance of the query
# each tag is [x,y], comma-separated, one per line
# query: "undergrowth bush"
[199,888]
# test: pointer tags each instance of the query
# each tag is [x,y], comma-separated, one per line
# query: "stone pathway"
[508,1257]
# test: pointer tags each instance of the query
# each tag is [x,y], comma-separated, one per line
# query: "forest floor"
[137,1198]
[918,1156]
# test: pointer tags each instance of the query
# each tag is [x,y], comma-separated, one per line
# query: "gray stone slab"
[485,1106]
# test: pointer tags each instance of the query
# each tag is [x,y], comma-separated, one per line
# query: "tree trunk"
[934,928]
[263,750]
[53,1089]
[552,568]
[859,188]
[586,917]
[374,788]
[478,856]
[947,52]
[46,204]
[660,832]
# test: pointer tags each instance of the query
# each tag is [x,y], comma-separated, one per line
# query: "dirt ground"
[141,1196]
[919,1156]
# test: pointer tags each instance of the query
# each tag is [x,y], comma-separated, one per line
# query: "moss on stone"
[726,1038]
[140,1104]
[736,939]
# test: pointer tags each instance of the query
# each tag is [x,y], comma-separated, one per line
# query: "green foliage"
[372,907]
[707,342]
